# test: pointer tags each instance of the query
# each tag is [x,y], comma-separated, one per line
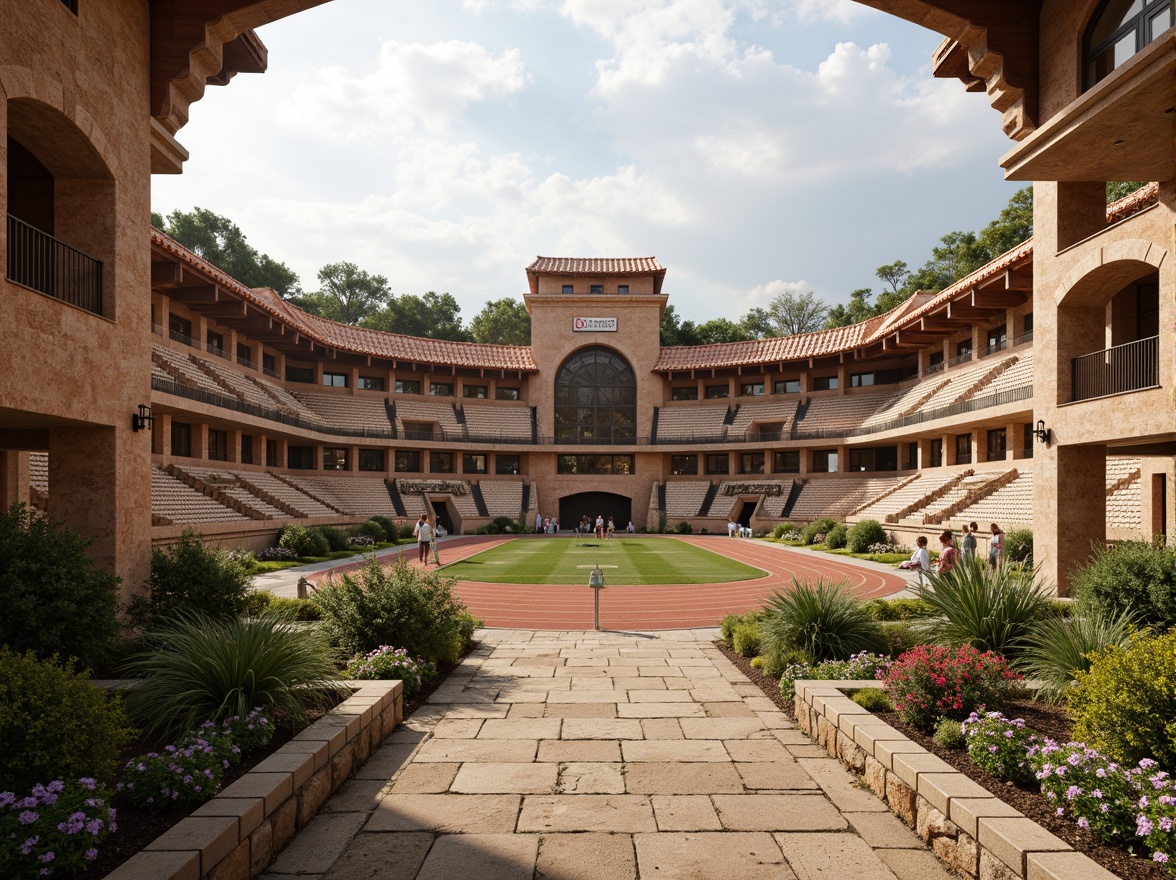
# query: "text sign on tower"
[594,325]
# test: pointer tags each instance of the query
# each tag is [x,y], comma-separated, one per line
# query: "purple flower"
[1143,826]
[1160,857]
[48,857]
[27,846]
[1083,824]
[87,783]
[7,798]
[94,826]
[91,854]
[28,817]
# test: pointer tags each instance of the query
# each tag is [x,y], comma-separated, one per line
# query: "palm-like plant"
[824,619]
[1058,647]
[197,669]
[991,609]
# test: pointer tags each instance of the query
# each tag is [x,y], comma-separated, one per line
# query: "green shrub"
[821,527]
[898,609]
[389,526]
[54,723]
[683,528]
[467,624]
[774,663]
[55,600]
[899,636]
[372,529]
[836,538]
[192,578]
[825,620]
[778,531]
[507,525]
[727,626]
[864,535]
[205,669]
[1000,745]
[1018,546]
[1125,705]
[304,541]
[1059,647]
[336,538]
[991,609]
[387,663]
[872,699]
[949,734]
[1135,576]
[399,605]
[746,640]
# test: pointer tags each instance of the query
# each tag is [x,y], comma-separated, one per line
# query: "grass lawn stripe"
[629,561]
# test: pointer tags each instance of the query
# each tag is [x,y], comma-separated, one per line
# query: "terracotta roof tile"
[596,266]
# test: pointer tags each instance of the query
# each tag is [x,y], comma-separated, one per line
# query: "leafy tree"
[349,294]
[675,331]
[721,330]
[220,241]
[757,323]
[791,313]
[1117,189]
[434,316]
[895,274]
[504,321]
[859,309]
[1013,226]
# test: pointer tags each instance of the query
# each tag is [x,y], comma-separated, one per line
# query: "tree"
[858,309]
[757,323]
[720,330]
[791,313]
[503,321]
[675,331]
[1121,189]
[434,316]
[220,241]
[349,294]
[1013,226]
[895,274]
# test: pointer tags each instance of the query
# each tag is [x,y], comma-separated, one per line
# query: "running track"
[666,606]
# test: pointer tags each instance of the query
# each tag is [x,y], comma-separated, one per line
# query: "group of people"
[427,532]
[546,525]
[949,555]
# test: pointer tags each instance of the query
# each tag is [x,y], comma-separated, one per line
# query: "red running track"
[657,607]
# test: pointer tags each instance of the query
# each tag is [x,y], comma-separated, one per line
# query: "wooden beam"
[993,299]
[165,275]
[967,312]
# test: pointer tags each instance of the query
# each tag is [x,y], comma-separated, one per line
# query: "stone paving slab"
[603,756]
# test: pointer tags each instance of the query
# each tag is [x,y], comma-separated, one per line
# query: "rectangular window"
[473,463]
[688,392]
[997,445]
[71,5]
[684,465]
[408,386]
[717,463]
[861,380]
[418,431]
[751,462]
[595,464]
[1027,326]
[935,359]
[246,449]
[825,383]
[408,461]
[271,453]
[371,459]
[997,339]
[825,461]
[501,393]
[964,348]
[786,386]
[335,458]
[475,392]
[181,439]
[441,462]
[300,374]
[300,458]
[180,329]
[371,383]
[879,458]
[786,461]
[441,389]
[269,363]
[596,288]
[216,342]
[623,289]
[912,462]
[1027,441]
[935,453]
[714,392]
[335,380]
[567,288]
[507,465]
[751,389]
[963,449]
[218,445]
[244,356]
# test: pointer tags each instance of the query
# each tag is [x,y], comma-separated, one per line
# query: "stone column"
[14,478]
[1069,521]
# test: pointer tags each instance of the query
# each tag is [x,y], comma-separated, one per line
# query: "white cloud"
[762,294]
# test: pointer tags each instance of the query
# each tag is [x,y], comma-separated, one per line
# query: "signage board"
[594,325]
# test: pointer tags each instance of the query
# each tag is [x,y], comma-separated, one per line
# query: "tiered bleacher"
[429,412]
[175,501]
[457,490]
[938,511]
[830,415]
[180,368]
[1019,375]
[230,485]
[39,471]
[754,416]
[498,422]
[837,497]
[283,399]
[966,382]
[1124,494]
[684,497]
[237,384]
[502,497]
[1009,506]
[344,411]
[287,494]
[897,500]
[773,505]
[357,496]
[689,422]
[730,490]
[905,402]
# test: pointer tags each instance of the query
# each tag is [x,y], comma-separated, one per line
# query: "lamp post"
[596,582]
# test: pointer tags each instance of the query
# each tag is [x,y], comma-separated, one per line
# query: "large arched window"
[1119,29]
[595,398]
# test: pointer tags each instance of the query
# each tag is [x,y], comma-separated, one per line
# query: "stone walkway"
[605,756]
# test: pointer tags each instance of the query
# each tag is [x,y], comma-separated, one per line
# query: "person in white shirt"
[920,558]
[424,533]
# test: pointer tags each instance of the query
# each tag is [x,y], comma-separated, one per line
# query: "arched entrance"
[573,508]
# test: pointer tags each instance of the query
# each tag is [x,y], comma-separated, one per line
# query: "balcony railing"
[1130,367]
[962,358]
[933,369]
[38,260]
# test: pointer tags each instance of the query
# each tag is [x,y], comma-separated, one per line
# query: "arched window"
[595,398]
[1119,29]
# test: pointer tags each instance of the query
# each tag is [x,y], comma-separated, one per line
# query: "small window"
[507,465]
[751,389]
[567,288]
[623,289]
[684,465]
[371,383]
[686,392]
[912,462]
[218,445]
[181,439]
[1027,325]
[1119,30]
[997,445]
[180,329]
[714,392]
[935,359]
[1027,440]
[408,461]
[418,431]
[594,464]
[997,339]
[786,461]
[216,342]
[441,462]
[751,463]
[825,383]
[300,374]
[371,459]
[861,380]
[271,453]
[596,288]
[246,449]
[270,364]
[501,393]
[335,380]
[335,458]
[474,392]
[786,386]
[825,461]
[963,449]
[717,463]
[408,386]
[441,389]
[472,463]
[244,356]
[935,453]
[300,458]
[964,348]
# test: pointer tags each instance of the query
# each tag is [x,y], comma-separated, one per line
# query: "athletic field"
[629,561]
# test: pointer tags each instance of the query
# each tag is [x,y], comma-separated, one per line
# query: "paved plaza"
[604,756]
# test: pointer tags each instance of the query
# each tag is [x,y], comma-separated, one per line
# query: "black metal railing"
[38,260]
[1133,366]
[993,347]
[933,369]
[217,351]
[183,338]
[962,358]
[245,362]
[273,374]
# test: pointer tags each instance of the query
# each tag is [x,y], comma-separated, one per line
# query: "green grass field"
[630,561]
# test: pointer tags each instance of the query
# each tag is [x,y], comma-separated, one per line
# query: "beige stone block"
[992,868]
[840,786]
[909,766]
[850,753]
[966,812]
[610,696]
[491,778]
[690,812]
[482,710]
[1011,839]
[911,864]
[598,751]
[396,856]
[885,751]
[940,789]
[458,728]
[601,728]
[580,710]
[901,798]
[778,812]
[807,751]
[586,857]
[930,823]
[250,812]
[660,710]
[520,728]
[1064,866]
[661,728]
[832,857]
[154,865]
[588,777]
[425,778]
[655,696]
[299,765]
[313,795]
[261,848]
[320,844]
[874,777]
[636,683]
[527,710]
[775,776]
[668,750]
[706,855]
[757,750]
[489,856]
[283,823]
[495,751]
[386,761]
[212,838]
[883,830]
[730,710]
[273,788]
[446,813]
[792,737]
[554,813]
[357,796]
[674,778]
[717,694]
[723,728]
[342,763]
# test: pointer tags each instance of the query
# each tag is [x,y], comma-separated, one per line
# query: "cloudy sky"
[753,146]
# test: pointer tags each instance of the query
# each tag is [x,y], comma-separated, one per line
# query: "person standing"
[968,543]
[731,527]
[996,546]
[948,555]
[612,529]
[424,533]
[631,530]
[538,523]
[599,526]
